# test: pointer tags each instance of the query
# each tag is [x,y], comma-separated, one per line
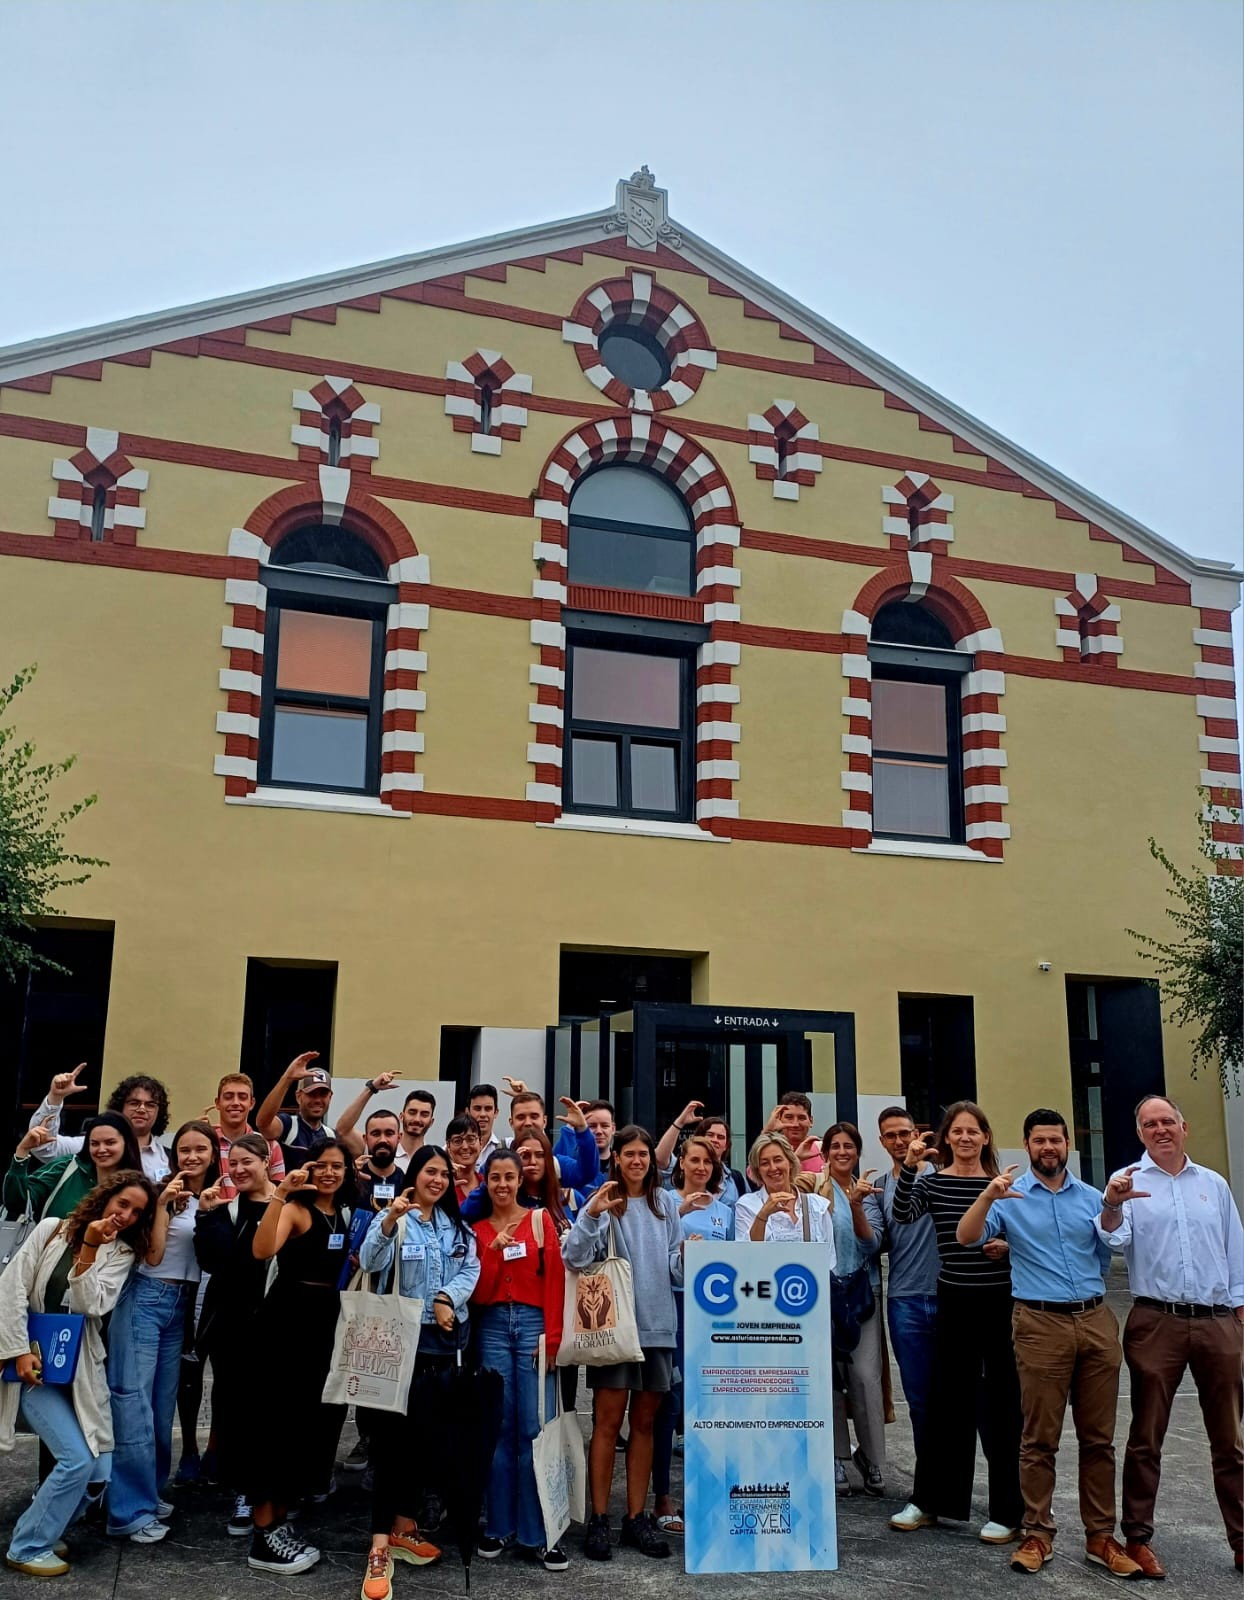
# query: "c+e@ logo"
[792,1291]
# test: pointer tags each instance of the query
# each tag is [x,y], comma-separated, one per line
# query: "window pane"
[654,777]
[320,747]
[622,686]
[328,549]
[910,799]
[630,494]
[630,561]
[323,654]
[910,717]
[636,360]
[594,772]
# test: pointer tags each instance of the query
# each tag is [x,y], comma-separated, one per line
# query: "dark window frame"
[289,589]
[681,739]
[899,672]
[634,334]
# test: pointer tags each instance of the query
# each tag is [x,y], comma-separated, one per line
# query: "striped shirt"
[945,1198]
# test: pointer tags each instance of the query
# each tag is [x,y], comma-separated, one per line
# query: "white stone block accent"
[136,478]
[729,731]
[1213,639]
[987,639]
[856,744]
[713,693]
[718,533]
[410,569]
[1065,639]
[1209,705]
[400,739]
[65,472]
[720,652]
[234,682]
[920,564]
[1064,608]
[718,611]
[726,576]
[856,622]
[854,707]
[1212,669]
[782,490]
[406,615]
[408,782]
[857,667]
[406,661]
[102,442]
[302,435]
[235,767]
[245,592]
[544,755]
[556,553]
[405,700]
[716,808]
[550,677]
[248,546]
[460,405]
[241,639]
[129,517]
[544,793]
[1086,585]
[1219,747]
[542,589]
[576,333]
[550,510]
[858,820]
[551,716]
[66,510]
[990,756]
[859,781]
[334,491]
[984,722]
[1220,780]
[987,830]
[548,633]
[486,444]
[708,770]
[988,682]
[1219,814]
[237,722]
[986,794]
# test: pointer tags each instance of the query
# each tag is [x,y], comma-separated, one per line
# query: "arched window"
[486,393]
[99,506]
[783,440]
[917,775]
[630,530]
[327,599]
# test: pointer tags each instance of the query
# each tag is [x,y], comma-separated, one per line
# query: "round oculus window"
[634,358]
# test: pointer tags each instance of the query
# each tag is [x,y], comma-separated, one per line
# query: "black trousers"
[404,1449]
[974,1389]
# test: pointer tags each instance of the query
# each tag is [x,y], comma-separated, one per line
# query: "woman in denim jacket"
[437,1264]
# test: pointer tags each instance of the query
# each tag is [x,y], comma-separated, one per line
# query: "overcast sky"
[1034,207]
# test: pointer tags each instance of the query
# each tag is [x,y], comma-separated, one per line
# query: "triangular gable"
[439,278]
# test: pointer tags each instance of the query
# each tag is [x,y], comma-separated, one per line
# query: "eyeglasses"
[140,1105]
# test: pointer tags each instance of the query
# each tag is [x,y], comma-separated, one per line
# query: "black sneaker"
[641,1532]
[490,1548]
[596,1543]
[554,1558]
[239,1523]
[874,1483]
[432,1513]
[278,1549]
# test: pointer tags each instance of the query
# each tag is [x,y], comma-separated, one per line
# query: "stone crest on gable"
[642,213]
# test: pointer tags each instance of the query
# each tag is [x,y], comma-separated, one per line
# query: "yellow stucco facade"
[438,919]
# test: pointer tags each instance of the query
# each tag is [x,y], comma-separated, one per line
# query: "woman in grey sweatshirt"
[643,1219]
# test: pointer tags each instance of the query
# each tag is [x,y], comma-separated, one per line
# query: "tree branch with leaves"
[1200,970]
[34,864]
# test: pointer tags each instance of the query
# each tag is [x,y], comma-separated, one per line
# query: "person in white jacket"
[79,1265]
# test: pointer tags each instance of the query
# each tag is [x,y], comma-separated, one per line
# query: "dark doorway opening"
[288,1009]
[49,1021]
[937,1053]
[458,1047]
[596,983]
[1114,1031]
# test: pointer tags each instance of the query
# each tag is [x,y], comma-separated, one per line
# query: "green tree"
[34,864]
[1200,969]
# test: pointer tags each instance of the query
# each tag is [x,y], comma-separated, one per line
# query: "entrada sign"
[748,1022]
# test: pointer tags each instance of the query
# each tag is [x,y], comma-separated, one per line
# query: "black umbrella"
[471,1398]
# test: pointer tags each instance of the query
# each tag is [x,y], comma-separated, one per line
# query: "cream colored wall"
[442,920]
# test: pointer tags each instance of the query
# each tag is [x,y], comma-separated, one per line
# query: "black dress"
[293,1435]
[227,1327]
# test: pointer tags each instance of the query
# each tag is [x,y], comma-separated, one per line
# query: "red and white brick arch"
[1220,737]
[985,796]
[98,465]
[641,441]
[338,499]
[508,391]
[336,400]
[778,444]
[917,513]
[1087,625]
[639,301]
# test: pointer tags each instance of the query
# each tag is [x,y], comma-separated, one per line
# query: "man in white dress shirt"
[1179,1230]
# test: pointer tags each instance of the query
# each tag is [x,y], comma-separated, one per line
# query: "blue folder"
[57,1335]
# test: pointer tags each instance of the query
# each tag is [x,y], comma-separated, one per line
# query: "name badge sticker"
[514,1252]
[336,1241]
[382,1191]
[412,1252]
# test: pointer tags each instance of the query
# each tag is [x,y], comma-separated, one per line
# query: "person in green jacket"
[54,1189]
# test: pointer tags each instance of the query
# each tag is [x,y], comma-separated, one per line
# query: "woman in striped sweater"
[974,1379]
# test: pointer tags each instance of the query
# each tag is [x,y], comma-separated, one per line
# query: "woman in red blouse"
[519,1297]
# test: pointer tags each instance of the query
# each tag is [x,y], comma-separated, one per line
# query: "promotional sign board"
[759,1419]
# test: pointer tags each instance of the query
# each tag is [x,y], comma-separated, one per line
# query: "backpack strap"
[806,1209]
[537,1226]
[61,1182]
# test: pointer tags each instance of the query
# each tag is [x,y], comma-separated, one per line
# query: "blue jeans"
[144,1365]
[913,1326]
[47,1411]
[509,1335]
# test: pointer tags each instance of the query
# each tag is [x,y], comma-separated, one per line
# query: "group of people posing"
[232,1243]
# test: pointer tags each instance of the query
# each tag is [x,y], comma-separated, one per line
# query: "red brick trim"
[1220,738]
[1087,624]
[638,301]
[784,448]
[486,376]
[98,491]
[335,403]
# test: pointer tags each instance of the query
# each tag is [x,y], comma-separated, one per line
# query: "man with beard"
[1066,1338]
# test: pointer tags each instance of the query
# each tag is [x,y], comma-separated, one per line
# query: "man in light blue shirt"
[1066,1338]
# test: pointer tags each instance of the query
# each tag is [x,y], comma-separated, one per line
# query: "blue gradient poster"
[759,1430]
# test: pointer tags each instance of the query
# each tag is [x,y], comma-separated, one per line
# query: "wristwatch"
[369,1086]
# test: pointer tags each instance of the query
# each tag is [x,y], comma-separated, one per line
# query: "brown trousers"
[1059,1357]
[1159,1348]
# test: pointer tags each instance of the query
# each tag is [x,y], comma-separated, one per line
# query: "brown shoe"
[1031,1556]
[1143,1556]
[1104,1551]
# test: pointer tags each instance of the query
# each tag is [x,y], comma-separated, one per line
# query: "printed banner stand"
[759,1417]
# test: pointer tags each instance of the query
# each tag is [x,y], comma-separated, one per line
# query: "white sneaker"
[911,1517]
[164,1510]
[151,1534]
[998,1533]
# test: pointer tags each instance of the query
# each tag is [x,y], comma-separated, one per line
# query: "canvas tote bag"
[561,1470]
[376,1342]
[599,1328]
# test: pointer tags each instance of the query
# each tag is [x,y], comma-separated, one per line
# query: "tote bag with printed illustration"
[599,1328]
[376,1343]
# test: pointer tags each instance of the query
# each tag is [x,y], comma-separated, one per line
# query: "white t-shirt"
[179,1258]
[780,1228]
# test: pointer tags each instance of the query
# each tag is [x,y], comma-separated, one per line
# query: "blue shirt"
[1056,1253]
[914,1261]
[437,1258]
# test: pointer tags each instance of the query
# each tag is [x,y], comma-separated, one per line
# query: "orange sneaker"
[410,1547]
[1104,1551]
[1031,1556]
[377,1585]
